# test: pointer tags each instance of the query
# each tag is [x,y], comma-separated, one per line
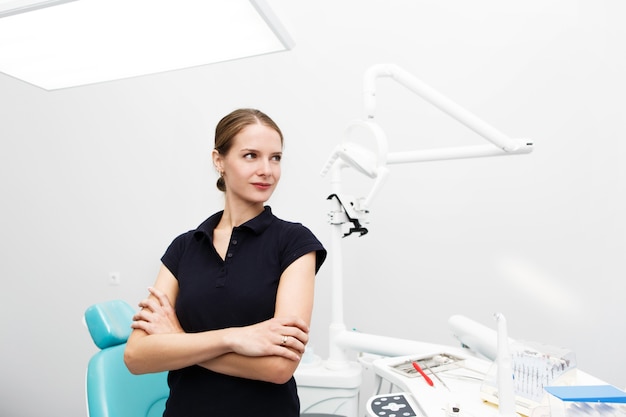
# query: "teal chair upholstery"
[112,391]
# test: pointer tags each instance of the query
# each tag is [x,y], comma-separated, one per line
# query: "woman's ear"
[217,160]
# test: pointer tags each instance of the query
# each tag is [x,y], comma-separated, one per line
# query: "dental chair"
[112,391]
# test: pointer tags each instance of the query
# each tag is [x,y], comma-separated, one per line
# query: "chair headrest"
[109,322]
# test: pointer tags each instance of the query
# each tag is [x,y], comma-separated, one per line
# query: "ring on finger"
[284,342]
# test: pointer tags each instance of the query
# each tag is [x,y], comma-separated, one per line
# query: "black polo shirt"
[240,290]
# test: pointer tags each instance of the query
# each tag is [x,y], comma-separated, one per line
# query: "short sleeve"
[299,241]
[171,257]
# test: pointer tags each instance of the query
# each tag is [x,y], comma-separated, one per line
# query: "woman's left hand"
[157,316]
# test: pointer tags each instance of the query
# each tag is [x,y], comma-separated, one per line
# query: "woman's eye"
[249,156]
[277,158]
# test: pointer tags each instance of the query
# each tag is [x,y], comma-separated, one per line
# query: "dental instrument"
[433,373]
[422,373]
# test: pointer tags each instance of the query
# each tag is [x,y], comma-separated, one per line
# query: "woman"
[229,313]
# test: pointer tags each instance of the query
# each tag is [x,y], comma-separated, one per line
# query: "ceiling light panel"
[91,41]
[11,7]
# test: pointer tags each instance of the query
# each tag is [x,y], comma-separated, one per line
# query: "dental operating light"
[373,162]
[91,41]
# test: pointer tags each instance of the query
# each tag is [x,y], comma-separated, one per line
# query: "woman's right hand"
[157,316]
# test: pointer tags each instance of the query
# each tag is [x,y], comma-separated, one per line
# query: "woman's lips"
[262,185]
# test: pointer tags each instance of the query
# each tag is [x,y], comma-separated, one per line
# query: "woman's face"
[252,165]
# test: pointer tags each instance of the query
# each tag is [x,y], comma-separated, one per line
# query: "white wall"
[100,178]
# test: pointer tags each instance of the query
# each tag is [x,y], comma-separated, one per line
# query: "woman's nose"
[265,168]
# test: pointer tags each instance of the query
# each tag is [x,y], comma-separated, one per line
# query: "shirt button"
[230,255]
[234,242]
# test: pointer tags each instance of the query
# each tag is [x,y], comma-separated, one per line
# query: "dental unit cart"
[452,382]
[427,380]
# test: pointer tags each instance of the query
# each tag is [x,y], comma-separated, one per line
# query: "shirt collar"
[257,224]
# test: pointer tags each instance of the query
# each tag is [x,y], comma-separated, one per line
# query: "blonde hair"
[232,124]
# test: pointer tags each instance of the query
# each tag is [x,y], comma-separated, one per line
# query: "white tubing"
[337,355]
[506,394]
[385,346]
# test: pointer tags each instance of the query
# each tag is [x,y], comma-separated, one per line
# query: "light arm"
[440,101]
